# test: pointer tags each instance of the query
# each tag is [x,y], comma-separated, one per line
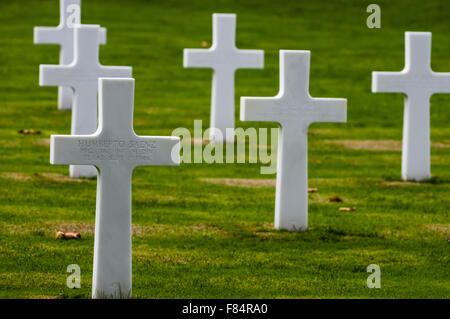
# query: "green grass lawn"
[197,239]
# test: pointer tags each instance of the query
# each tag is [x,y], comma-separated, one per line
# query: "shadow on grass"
[434,180]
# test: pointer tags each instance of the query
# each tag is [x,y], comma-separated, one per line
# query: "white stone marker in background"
[294,109]
[82,75]
[70,15]
[418,82]
[115,150]
[224,58]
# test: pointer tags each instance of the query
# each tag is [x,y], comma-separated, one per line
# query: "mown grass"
[194,239]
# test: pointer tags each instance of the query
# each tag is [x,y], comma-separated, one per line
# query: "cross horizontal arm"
[250,59]
[198,58]
[102,35]
[67,149]
[156,151]
[97,150]
[395,82]
[327,110]
[47,35]
[52,35]
[55,75]
[440,82]
[261,109]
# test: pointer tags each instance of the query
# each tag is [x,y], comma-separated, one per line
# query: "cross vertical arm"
[416,137]
[112,271]
[87,39]
[294,75]
[65,12]
[224,30]
[294,81]
[115,122]
[84,120]
[291,197]
[89,36]
[418,52]
[100,38]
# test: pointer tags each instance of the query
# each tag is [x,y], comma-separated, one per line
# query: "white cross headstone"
[224,58]
[82,75]
[418,82]
[294,109]
[70,15]
[115,150]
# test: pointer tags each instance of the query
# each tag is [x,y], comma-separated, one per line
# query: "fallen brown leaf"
[29,132]
[205,44]
[312,189]
[73,235]
[62,235]
[335,199]
[59,235]
[347,209]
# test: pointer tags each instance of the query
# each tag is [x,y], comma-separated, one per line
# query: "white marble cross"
[115,150]
[70,15]
[82,75]
[418,82]
[294,109]
[224,58]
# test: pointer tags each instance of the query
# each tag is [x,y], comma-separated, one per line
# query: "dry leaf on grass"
[63,235]
[347,209]
[335,199]
[312,189]
[29,132]
[205,44]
